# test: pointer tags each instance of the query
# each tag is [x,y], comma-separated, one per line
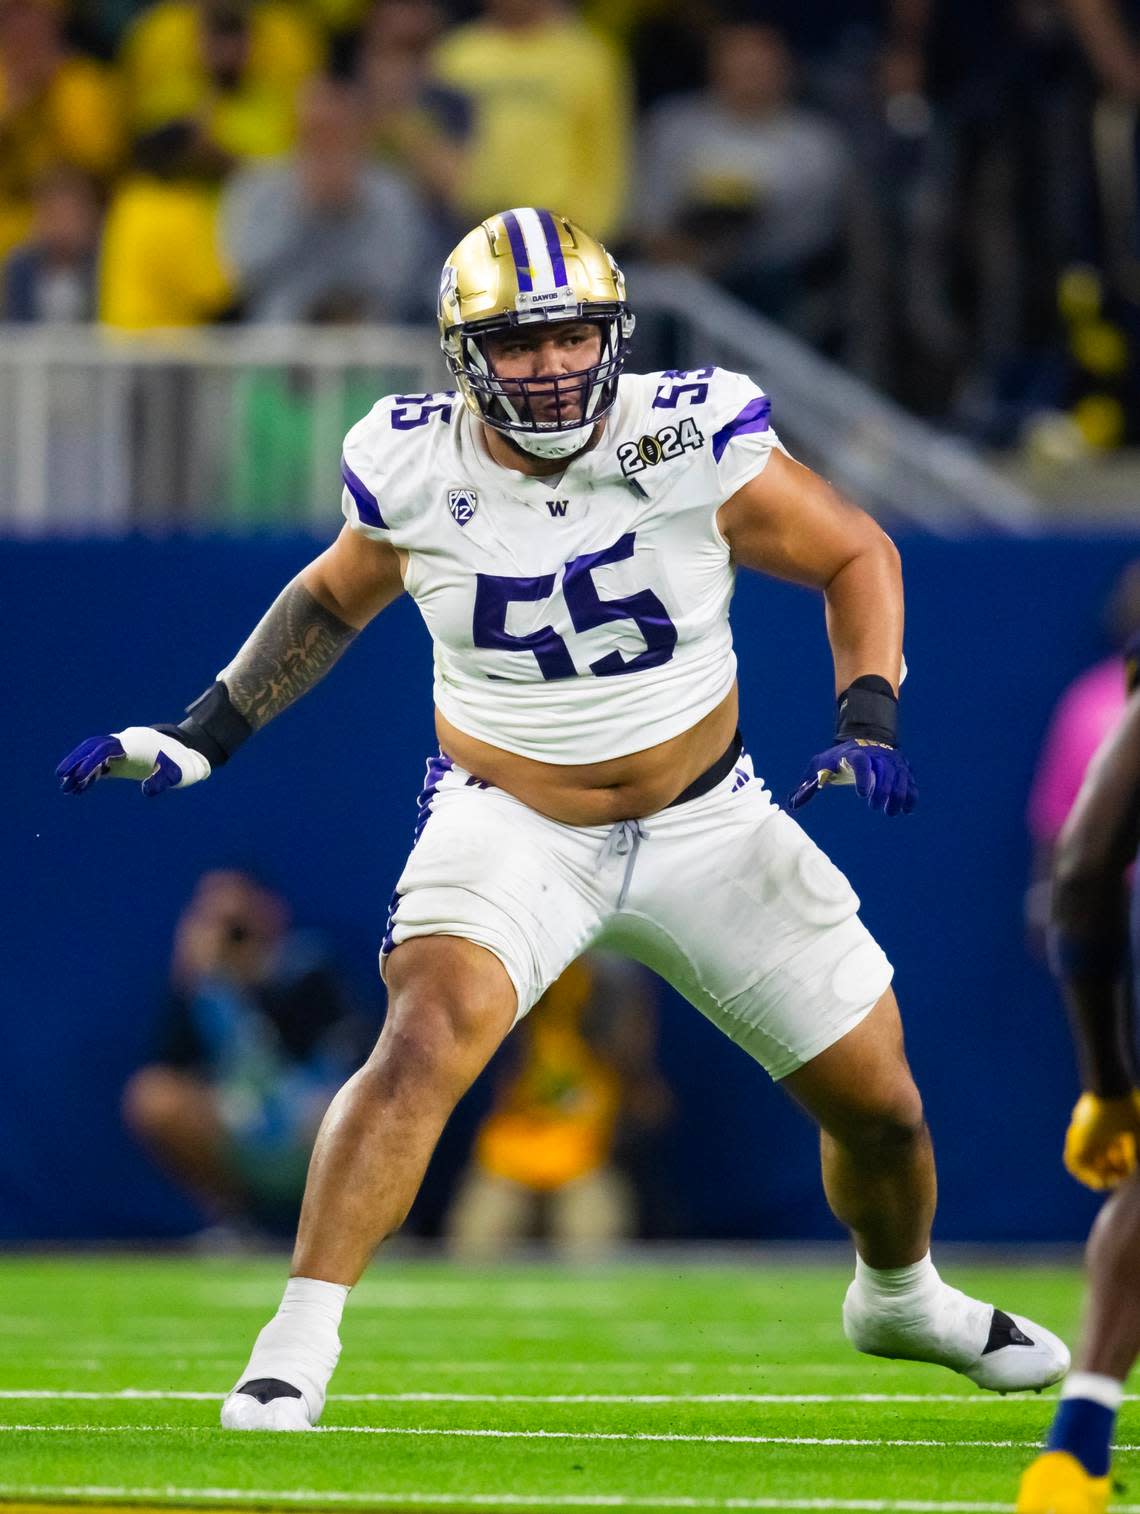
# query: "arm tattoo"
[290,650]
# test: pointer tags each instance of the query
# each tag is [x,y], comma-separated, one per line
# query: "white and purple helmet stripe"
[536,249]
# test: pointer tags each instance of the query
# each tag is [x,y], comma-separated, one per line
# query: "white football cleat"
[1002,1352]
[265,1403]
[1018,1354]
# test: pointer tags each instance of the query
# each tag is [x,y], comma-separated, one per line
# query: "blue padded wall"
[321,805]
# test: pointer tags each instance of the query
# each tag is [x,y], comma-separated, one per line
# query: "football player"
[1089,951]
[570,533]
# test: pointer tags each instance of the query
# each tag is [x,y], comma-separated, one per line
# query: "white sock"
[1096,1387]
[301,1344]
[308,1298]
[888,1284]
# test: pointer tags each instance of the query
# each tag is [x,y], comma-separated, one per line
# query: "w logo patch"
[462,504]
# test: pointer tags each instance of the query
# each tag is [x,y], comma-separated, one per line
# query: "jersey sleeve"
[362,472]
[740,434]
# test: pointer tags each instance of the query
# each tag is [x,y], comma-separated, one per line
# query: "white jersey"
[576,620]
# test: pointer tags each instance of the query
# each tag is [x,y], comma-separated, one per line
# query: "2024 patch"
[659,446]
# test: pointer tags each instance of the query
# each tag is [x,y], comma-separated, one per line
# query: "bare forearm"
[1100,1020]
[292,648]
[1089,906]
[864,606]
[1089,952]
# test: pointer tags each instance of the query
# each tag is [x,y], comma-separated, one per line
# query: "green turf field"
[669,1384]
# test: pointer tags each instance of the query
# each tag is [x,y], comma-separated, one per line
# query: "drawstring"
[623,841]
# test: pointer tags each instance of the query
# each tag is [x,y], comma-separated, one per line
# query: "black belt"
[713,775]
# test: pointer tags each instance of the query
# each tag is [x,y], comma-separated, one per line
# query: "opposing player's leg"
[450,1005]
[1071,1475]
[879,1177]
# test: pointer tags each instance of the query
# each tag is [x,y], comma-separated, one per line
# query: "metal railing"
[238,427]
[229,426]
[888,460]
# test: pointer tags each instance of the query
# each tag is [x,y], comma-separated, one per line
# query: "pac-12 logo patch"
[462,503]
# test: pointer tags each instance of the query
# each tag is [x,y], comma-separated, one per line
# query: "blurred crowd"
[941,195]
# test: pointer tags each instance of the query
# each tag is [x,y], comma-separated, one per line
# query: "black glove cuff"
[212,726]
[868,709]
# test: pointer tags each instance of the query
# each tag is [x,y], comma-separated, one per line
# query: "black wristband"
[869,710]
[212,726]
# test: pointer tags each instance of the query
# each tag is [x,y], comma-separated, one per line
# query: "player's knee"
[887,1129]
[432,1042]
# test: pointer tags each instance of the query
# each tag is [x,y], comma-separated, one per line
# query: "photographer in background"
[258,1037]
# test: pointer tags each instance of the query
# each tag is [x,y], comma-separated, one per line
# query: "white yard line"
[446,1296]
[673,1438]
[395,1364]
[161,1394]
[518,1500]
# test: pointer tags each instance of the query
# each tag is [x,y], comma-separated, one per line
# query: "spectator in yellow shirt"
[55,110]
[582,1083]
[551,111]
[161,262]
[234,67]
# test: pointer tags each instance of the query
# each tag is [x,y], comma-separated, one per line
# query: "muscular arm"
[790,523]
[310,623]
[306,629]
[1089,909]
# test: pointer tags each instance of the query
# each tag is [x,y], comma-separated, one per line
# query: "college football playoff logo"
[461,503]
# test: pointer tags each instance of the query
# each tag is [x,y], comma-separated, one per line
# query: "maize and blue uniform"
[581,620]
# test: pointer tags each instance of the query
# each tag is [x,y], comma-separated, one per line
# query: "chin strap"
[553,445]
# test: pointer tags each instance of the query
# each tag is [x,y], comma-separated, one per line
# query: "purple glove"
[153,758]
[880,773]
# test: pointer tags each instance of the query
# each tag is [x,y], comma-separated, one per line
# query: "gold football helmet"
[517,268]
